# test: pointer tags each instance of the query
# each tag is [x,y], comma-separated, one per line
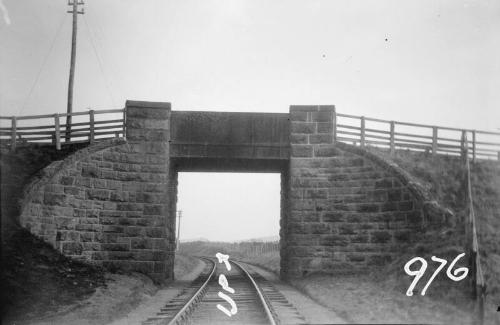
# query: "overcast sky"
[229,206]
[432,62]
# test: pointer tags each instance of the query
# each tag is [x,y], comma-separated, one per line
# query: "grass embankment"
[263,254]
[41,285]
[380,296]
[37,281]
[371,299]
[444,177]
[269,261]
[184,265]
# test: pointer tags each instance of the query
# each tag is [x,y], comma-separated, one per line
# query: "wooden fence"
[393,135]
[89,126]
[358,130]
[472,246]
[256,248]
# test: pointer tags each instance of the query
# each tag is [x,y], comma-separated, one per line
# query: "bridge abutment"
[346,214]
[152,240]
[109,203]
[114,203]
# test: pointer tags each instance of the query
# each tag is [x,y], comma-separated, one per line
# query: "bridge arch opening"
[236,213]
[342,208]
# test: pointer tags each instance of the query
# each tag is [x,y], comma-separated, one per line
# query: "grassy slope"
[183,265]
[380,296]
[267,260]
[383,292]
[363,299]
[443,176]
[382,299]
[39,283]
[37,280]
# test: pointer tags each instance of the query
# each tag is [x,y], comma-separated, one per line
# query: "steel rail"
[198,294]
[263,300]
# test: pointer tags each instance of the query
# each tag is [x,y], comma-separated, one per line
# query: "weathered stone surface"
[302,150]
[93,198]
[54,199]
[322,116]
[72,248]
[325,127]
[362,208]
[326,151]
[320,138]
[380,237]
[299,139]
[113,203]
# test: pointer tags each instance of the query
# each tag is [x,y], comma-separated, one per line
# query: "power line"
[97,30]
[74,12]
[99,61]
[35,82]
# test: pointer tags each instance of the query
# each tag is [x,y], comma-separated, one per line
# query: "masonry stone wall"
[108,204]
[347,212]
[343,208]
[17,169]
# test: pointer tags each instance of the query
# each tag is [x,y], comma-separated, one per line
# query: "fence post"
[334,125]
[362,140]
[125,120]
[392,144]
[477,275]
[13,133]
[473,146]
[58,131]
[91,119]
[464,146]
[434,140]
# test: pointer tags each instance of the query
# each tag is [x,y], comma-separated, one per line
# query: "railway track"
[257,301]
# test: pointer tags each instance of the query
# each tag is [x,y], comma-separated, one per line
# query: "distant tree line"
[235,250]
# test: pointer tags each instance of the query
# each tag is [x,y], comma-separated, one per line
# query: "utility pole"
[179,214]
[75,12]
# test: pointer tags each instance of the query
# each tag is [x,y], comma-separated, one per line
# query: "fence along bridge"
[87,127]
[95,125]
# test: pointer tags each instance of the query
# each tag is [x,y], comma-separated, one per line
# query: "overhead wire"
[35,82]
[158,53]
[162,62]
[99,61]
[98,41]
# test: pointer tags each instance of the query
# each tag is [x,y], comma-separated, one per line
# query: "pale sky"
[229,206]
[432,62]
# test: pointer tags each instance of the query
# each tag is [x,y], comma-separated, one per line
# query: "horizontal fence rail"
[95,125]
[90,126]
[394,135]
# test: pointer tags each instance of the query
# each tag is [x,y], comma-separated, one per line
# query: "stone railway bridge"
[113,203]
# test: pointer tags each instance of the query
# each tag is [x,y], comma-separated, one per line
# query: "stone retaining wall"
[348,210]
[343,208]
[108,203]
[17,169]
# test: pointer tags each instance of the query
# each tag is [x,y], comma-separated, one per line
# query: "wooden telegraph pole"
[75,12]
[178,228]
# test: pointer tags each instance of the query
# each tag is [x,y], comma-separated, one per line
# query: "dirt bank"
[41,286]
[37,281]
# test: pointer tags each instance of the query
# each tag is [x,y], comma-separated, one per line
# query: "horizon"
[258,240]
[424,62]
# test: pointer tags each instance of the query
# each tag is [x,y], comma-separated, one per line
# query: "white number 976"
[456,276]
